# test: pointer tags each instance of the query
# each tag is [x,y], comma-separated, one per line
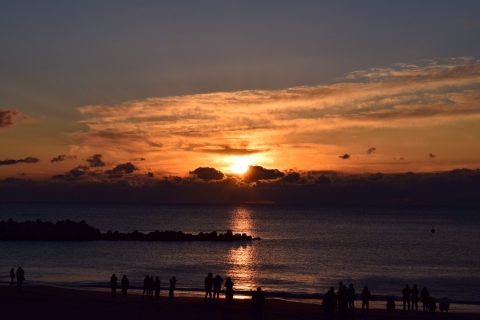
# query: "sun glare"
[239,165]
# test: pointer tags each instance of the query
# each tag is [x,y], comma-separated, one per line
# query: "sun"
[239,165]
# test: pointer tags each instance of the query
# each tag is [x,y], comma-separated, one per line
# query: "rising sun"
[239,165]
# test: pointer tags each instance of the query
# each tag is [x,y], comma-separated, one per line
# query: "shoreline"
[57,300]
[376,301]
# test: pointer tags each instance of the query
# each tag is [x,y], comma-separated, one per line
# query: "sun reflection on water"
[241,259]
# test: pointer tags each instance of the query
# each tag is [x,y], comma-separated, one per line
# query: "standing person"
[424,295]
[217,287]
[156,286]
[171,288]
[208,286]
[145,285]
[366,295]
[228,290]
[20,274]
[125,285]
[150,286]
[113,284]
[406,292]
[415,297]
[258,301]
[329,303]
[12,276]
[342,297]
[351,297]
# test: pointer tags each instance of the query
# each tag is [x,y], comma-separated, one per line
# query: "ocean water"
[303,251]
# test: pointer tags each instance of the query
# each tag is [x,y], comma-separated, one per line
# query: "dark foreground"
[55,303]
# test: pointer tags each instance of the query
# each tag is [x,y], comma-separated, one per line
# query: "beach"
[45,302]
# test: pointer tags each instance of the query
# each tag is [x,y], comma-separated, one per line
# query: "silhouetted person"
[171,288]
[125,285]
[406,292]
[342,298]
[156,286]
[329,303]
[150,286]
[366,295]
[145,285]
[208,286]
[20,274]
[444,305]
[424,295]
[390,303]
[217,286]
[228,290]
[12,276]
[351,297]
[432,305]
[113,284]
[258,301]
[414,294]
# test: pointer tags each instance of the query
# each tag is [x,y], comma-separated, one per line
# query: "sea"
[302,252]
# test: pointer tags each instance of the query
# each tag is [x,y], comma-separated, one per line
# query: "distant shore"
[61,303]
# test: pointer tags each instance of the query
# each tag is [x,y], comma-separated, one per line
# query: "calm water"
[303,251]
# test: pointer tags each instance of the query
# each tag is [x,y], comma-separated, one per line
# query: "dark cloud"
[124,168]
[74,174]
[16,161]
[256,173]
[9,118]
[61,157]
[207,173]
[371,150]
[96,161]
[292,177]
[457,188]
[431,155]
[346,156]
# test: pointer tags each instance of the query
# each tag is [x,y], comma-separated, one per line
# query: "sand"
[42,302]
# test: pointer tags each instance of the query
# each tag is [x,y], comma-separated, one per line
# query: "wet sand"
[42,302]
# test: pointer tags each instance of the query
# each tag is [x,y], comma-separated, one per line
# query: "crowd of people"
[341,301]
[17,277]
[214,285]
[151,286]
[411,297]
[344,301]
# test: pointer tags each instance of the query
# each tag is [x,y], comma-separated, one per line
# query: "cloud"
[207,173]
[225,150]
[124,168]
[292,177]
[266,122]
[9,118]
[17,161]
[96,161]
[256,173]
[345,156]
[371,150]
[61,158]
[456,188]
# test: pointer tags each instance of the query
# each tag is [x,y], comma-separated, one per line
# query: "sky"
[370,86]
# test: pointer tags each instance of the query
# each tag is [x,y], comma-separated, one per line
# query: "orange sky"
[420,117]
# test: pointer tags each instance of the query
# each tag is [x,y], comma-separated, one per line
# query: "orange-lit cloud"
[290,127]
